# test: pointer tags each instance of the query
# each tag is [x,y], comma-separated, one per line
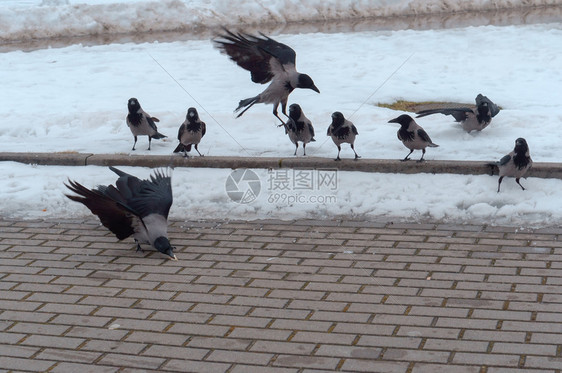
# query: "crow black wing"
[203,129]
[254,53]
[151,123]
[145,197]
[342,132]
[311,129]
[505,160]
[424,136]
[153,196]
[494,109]
[459,114]
[181,130]
[105,203]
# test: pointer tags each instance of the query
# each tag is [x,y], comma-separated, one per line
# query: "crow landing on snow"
[471,119]
[268,61]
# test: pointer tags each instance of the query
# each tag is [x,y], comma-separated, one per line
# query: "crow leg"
[296,147]
[149,141]
[356,156]
[405,159]
[283,107]
[421,159]
[138,246]
[198,150]
[304,148]
[338,157]
[500,183]
[135,143]
[517,181]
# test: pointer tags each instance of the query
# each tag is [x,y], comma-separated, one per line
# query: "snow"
[72,98]
[25,20]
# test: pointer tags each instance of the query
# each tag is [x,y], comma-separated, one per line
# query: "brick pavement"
[276,296]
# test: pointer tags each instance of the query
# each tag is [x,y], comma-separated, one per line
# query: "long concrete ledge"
[540,169]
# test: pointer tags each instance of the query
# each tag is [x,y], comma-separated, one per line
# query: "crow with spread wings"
[268,61]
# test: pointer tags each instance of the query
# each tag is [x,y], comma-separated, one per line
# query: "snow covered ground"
[73,98]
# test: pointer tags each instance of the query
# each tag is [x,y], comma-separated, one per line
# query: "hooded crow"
[341,130]
[268,61]
[516,163]
[190,133]
[471,119]
[299,128]
[412,135]
[140,123]
[132,207]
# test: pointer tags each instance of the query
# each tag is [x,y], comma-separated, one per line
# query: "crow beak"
[314,88]
[393,121]
[173,257]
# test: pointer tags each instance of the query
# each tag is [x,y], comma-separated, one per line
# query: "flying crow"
[341,130]
[190,133]
[412,135]
[140,123]
[132,207]
[268,61]
[516,163]
[299,128]
[471,119]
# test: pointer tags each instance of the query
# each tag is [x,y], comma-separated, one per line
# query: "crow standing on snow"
[140,123]
[132,207]
[412,135]
[299,128]
[190,133]
[516,163]
[471,119]
[268,61]
[341,130]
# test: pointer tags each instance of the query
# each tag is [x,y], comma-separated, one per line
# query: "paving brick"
[348,351]
[295,348]
[367,365]
[524,349]
[239,357]
[187,353]
[65,367]
[243,368]
[52,341]
[257,333]
[489,335]
[18,351]
[128,348]
[444,368]
[474,358]
[182,365]
[98,333]
[455,345]
[121,360]
[42,329]
[15,363]
[170,338]
[68,355]
[316,337]
[543,362]
[306,361]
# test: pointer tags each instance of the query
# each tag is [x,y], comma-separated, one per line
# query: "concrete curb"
[540,169]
